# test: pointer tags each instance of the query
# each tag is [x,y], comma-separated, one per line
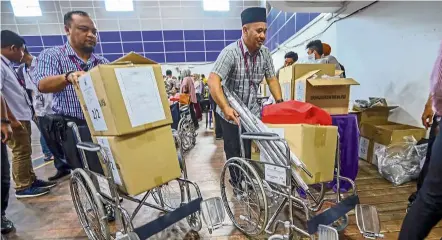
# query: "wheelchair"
[177,199]
[186,129]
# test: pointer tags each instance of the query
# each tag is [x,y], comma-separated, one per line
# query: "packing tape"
[320,136]
[158,180]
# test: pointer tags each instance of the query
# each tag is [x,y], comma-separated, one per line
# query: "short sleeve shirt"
[244,76]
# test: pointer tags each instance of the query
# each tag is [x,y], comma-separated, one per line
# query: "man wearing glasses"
[57,68]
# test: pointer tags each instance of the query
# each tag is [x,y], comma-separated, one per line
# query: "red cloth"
[294,112]
[198,112]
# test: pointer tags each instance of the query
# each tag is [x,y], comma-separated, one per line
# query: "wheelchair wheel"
[194,221]
[245,201]
[170,195]
[89,207]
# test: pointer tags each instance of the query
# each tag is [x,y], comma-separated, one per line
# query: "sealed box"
[124,97]
[314,145]
[375,136]
[330,94]
[143,160]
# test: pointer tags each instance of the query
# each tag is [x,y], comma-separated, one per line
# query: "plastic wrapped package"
[401,162]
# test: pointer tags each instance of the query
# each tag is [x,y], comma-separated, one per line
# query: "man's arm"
[427,115]
[275,88]
[224,63]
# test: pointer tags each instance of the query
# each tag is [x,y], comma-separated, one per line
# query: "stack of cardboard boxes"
[127,111]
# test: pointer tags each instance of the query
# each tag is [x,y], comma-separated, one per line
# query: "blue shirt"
[57,61]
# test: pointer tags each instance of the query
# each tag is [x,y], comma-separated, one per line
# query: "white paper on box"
[140,94]
[275,174]
[376,147]
[286,91]
[280,132]
[92,104]
[363,148]
[104,143]
[103,185]
[300,91]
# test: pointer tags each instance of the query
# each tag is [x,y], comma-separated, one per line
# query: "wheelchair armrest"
[89,146]
[263,136]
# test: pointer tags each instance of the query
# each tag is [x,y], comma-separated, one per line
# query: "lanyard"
[246,64]
[20,81]
[72,58]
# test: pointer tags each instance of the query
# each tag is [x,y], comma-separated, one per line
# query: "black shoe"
[219,138]
[31,192]
[43,184]
[58,175]
[48,158]
[7,225]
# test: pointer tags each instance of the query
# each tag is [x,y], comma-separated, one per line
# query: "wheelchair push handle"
[89,146]
[263,136]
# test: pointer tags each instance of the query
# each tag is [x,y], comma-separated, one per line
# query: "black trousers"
[232,147]
[6,179]
[46,126]
[218,128]
[433,133]
[426,210]
[193,114]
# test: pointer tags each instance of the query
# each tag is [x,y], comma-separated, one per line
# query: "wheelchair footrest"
[332,214]
[168,219]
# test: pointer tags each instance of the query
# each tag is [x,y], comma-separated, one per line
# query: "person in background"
[326,49]
[177,83]
[19,111]
[6,131]
[170,84]
[289,59]
[198,86]
[41,102]
[73,58]
[203,77]
[240,68]
[426,210]
[188,87]
[315,50]
[429,120]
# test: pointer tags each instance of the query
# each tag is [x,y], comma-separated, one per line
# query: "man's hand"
[73,77]
[231,114]
[6,132]
[427,116]
[16,124]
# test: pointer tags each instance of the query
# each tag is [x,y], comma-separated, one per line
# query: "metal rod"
[134,213]
[144,203]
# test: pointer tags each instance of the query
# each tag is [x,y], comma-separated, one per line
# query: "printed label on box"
[363,148]
[92,104]
[376,148]
[276,174]
[140,94]
[103,186]
[104,143]
[300,91]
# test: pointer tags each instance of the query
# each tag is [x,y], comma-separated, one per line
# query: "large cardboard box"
[330,94]
[124,97]
[141,161]
[374,115]
[289,74]
[314,145]
[375,136]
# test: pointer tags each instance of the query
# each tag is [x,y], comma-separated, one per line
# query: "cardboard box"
[376,136]
[141,161]
[290,73]
[374,115]
[124,97]
[330,94]
[314,145]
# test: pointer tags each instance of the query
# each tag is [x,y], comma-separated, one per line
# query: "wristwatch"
[280,100]
[6,121]
[67,75]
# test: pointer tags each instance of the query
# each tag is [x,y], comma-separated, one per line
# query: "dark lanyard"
[246,64]
[20,81]
[72,58]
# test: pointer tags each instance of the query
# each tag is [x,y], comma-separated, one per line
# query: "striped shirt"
[60,60]
[436,84]
[244,81]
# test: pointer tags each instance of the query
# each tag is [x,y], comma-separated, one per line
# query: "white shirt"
[13,93]
[42,102]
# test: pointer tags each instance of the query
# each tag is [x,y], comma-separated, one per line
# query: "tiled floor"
[53,216]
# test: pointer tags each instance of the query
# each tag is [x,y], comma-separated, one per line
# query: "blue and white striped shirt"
[60,60]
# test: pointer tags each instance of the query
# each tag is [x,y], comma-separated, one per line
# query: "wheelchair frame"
[186,129]
[253,178]
[82,179]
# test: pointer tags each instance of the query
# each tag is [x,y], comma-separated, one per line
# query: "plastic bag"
[401,162]
[294,112]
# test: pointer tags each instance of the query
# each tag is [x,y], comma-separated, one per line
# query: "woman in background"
[198,91]
[188,87]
